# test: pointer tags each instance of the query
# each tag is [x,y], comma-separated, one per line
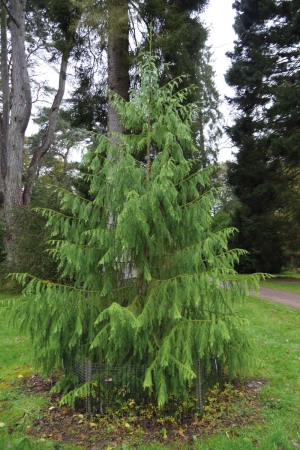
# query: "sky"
[219,17]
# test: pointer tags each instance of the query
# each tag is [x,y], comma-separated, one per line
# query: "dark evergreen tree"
[180,41]
[265,73]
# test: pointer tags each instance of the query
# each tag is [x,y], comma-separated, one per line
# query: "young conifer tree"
[144,277]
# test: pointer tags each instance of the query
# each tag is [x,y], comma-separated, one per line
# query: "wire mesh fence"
[112,387]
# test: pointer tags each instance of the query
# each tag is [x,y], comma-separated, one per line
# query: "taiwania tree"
[143,276]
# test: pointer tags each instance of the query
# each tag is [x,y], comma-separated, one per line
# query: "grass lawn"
[275,331]
[18,409]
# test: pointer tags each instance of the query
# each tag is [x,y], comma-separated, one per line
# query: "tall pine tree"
[144,278]
[266,77]
[180,41]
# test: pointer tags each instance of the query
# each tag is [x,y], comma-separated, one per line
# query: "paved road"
[286,298]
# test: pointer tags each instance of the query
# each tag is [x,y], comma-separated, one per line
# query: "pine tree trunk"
[118,68]
[20,114]
[118,58]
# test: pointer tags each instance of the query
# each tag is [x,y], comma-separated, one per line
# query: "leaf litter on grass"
[274,329]
[226,411]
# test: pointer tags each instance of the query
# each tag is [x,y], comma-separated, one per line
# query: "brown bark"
[118,72]
[40,151]
[19,118]
[118,58]
[4,117]
[16,115]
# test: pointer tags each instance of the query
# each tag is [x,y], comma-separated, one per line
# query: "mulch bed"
[226,411]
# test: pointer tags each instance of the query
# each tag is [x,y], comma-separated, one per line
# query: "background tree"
[178,38]
[65,18]
[170,309]
[266,77]
[226,202]
[30,245]
[67,141]
[16,111]
[180,41]
[17,94]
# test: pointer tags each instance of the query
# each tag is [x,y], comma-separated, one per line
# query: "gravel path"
[286,298]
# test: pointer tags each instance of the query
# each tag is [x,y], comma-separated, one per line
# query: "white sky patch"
[219,17]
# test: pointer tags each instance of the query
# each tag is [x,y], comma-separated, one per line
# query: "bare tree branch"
[40,151]
[10,14]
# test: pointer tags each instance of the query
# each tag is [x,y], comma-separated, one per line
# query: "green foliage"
[226,203]
[32,236]
[146,275]
[2,248]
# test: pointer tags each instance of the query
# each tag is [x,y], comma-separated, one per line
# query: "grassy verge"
[290,274]
[288,281]
[275,331]
[18,409]
[276,283]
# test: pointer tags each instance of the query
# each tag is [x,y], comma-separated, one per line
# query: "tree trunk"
[12,131]
[118,59]
[19,118]
[4,117]
[118,69]
[40,151]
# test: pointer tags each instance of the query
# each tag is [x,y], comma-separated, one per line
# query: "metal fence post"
[199,392]
[88,379]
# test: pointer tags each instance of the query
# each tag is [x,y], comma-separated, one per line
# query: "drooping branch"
[148,156]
